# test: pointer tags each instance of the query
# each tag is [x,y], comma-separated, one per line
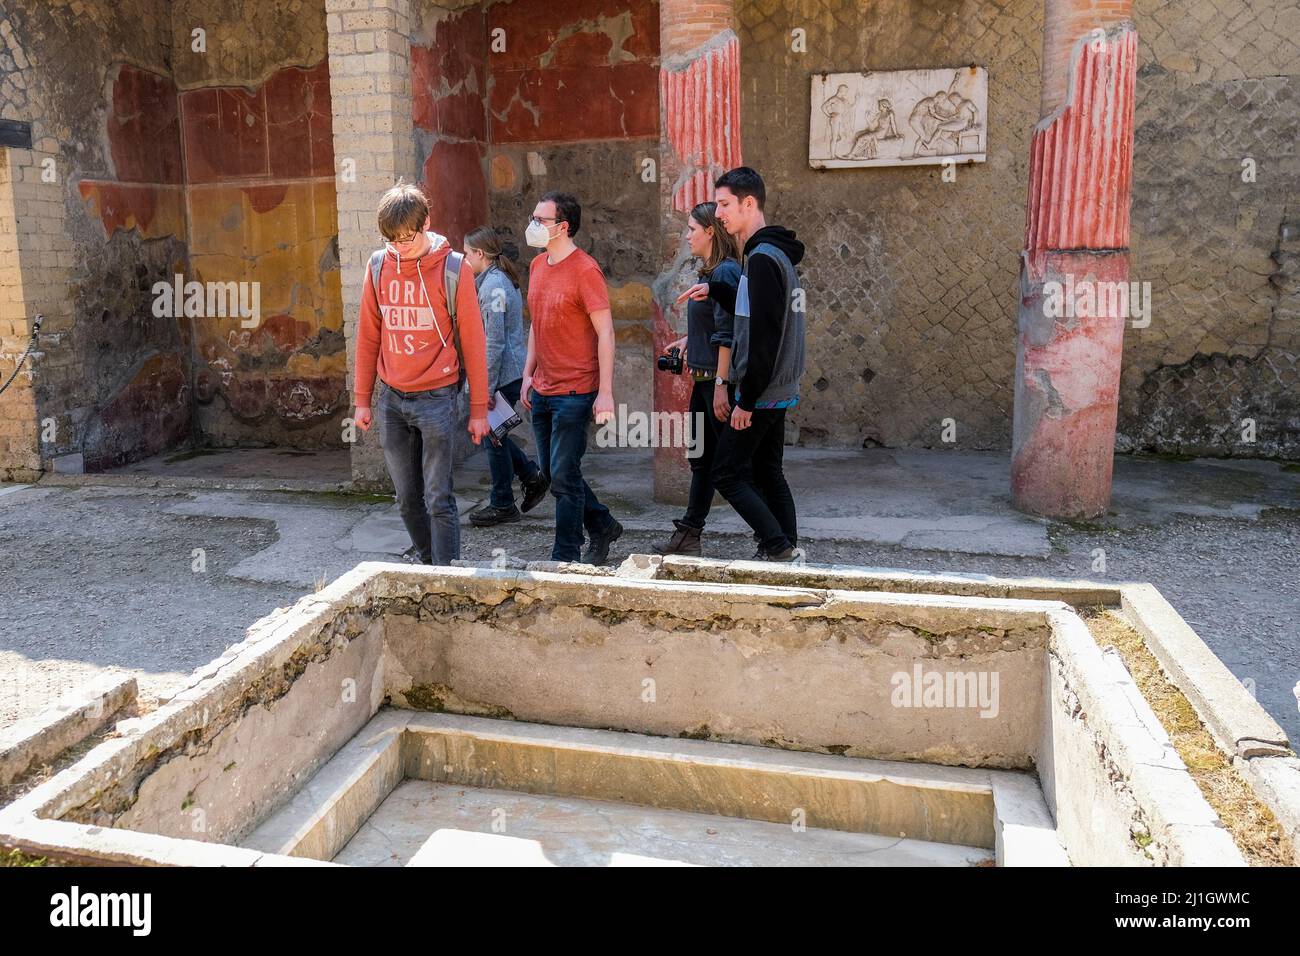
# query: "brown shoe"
[685,540]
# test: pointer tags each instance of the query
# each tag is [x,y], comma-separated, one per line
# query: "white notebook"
[502,417]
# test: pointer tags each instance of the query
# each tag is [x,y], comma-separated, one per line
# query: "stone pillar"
[370,89]
[1076,245]
[699,139]
[36,257]
[20,458]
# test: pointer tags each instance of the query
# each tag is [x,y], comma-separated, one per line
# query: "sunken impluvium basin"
[674,712]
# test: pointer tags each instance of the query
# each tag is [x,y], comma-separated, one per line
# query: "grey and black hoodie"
[768,354]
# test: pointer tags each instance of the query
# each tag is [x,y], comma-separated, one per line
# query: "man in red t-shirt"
[569,373]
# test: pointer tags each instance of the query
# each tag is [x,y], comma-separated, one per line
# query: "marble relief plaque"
[898,118]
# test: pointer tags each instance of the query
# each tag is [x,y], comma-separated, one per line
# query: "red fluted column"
[699,139]
[1076,240]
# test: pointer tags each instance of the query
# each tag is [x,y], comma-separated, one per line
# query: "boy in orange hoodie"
[407,338]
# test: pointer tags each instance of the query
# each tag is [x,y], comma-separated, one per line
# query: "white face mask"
[537,235]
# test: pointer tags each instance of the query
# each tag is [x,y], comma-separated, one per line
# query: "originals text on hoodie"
[405,333]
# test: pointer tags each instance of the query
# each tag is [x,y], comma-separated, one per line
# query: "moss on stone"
[439,698]
[19,858]
[425,697]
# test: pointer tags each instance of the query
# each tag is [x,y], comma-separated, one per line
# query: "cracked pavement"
[157,575]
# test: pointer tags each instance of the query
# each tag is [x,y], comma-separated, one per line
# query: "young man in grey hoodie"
[767,364]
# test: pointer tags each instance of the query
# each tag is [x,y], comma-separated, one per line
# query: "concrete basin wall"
[1118,790]
[245,734]
[943,680]
[853,578]
[801,669]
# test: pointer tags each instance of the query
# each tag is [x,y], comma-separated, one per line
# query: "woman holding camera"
[708,361]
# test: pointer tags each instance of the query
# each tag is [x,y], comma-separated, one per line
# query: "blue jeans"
[560,426]
[416,431]
[507,460]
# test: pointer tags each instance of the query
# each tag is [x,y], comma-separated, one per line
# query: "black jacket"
[708,323]
[767,305]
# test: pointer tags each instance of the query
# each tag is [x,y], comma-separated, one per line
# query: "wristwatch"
[720,381]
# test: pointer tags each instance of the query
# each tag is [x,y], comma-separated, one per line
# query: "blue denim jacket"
[503,323]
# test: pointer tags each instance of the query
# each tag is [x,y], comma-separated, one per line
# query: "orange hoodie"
[404,332]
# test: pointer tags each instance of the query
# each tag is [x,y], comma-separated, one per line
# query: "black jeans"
[507,460]
[748,472]
[701,497]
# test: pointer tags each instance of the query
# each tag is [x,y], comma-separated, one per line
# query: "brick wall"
[19,457]
[685,26]
[370,82]
[100,348]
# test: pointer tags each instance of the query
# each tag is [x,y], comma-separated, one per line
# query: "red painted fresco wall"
[147,410]
[570,71]
[143,128]
[574,70]
[246,179]
[574,105]
[260,171]
[448,81]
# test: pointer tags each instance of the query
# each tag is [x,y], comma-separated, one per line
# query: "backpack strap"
[451,283]
[376,265]
[451,280]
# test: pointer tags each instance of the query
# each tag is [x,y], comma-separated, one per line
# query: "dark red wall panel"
[454,183]
[574,70]
[144,129]
[282,130]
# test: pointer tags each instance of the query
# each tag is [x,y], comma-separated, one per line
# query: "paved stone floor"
[156,568]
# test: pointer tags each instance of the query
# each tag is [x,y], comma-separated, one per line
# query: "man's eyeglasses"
[543,220]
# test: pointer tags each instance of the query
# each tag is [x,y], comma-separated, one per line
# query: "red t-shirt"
[561,298]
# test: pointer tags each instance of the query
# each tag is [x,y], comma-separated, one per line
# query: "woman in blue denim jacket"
[502,307]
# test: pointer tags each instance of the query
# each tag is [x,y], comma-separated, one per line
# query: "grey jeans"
[416,430]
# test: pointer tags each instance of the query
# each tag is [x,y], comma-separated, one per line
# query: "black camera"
[672,362]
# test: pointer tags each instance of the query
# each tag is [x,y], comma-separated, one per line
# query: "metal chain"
[31,344]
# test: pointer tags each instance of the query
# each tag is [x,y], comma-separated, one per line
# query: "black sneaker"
[411,556]
[489,515]
[598,544]
[535,491]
